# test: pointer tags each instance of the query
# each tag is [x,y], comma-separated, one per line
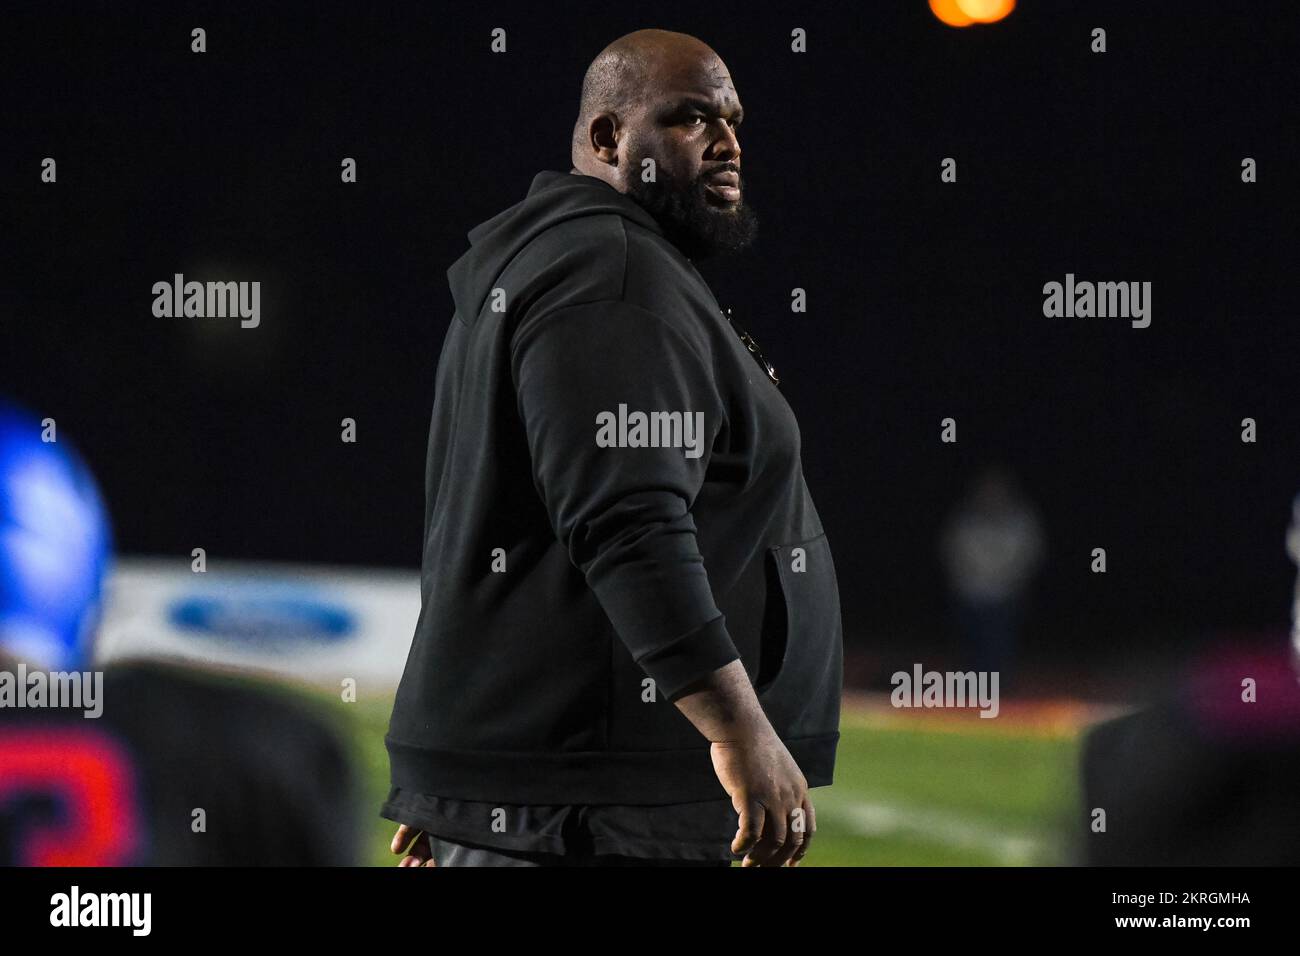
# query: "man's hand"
[770,795]
[415,844]
[766,786]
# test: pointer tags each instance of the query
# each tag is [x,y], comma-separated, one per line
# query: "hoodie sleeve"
[624,513]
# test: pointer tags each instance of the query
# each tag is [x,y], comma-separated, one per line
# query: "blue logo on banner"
[259,614]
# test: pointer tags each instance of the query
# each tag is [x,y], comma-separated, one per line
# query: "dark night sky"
[925,298]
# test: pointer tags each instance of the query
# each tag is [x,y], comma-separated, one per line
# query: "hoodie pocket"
[801,663]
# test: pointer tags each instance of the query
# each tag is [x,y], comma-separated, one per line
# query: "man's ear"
[603,134]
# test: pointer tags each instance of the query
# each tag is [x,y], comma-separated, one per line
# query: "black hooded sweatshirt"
[614,508]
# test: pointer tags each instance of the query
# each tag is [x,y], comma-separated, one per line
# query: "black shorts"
[448,853]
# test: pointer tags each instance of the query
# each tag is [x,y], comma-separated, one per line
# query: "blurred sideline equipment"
[171,765]
[1209,775]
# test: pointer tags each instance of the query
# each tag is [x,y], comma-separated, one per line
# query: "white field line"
[877,819]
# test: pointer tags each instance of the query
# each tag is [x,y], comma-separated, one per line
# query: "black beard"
[695,224]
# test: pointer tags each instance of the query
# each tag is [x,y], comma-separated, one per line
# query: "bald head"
[631,73]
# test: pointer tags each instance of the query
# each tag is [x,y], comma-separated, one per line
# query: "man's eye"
[690,120]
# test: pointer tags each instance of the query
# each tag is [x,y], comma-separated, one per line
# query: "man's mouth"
[726,186]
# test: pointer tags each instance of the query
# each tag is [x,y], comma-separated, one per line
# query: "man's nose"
[726,146]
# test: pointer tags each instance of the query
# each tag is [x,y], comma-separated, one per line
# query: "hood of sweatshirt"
[554,197]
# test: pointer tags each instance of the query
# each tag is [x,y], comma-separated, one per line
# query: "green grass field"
[907,792]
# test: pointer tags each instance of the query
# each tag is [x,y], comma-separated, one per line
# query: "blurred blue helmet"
[55,548]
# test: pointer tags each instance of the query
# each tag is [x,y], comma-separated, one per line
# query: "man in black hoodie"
[629,647]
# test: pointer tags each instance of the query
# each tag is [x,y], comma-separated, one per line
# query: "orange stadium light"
[962,13]
[950,13]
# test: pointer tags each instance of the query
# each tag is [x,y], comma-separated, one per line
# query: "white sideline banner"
[318,624]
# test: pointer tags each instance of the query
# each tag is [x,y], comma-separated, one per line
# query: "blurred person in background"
[155,764]
[992,545]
